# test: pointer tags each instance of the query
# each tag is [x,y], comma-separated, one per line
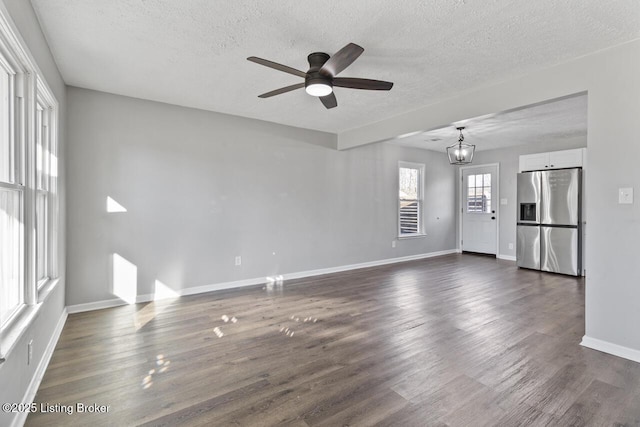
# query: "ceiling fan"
[321,77]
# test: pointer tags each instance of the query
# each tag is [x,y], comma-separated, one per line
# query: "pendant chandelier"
[460,153]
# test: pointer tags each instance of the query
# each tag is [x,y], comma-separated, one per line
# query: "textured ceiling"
[549,121]
[193,52]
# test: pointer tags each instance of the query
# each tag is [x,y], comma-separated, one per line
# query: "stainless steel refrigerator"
[549,217]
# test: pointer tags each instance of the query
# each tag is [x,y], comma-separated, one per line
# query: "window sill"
[412,236]
[19,326]
[45,289]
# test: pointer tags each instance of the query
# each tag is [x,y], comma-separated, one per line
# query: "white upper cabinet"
[566,159]
[534,162]
[553,160]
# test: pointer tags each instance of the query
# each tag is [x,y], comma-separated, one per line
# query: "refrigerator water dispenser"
[528,212]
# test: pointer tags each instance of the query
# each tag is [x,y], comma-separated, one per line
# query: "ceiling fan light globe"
[318,89]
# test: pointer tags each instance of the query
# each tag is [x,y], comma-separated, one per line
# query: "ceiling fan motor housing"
[316,61]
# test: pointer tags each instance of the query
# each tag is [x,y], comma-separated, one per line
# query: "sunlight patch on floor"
[162,365]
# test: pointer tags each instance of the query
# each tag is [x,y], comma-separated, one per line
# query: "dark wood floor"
[459,340]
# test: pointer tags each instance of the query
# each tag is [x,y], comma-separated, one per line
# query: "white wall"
[202,187]
[508,158]
[612,80]
[15,374]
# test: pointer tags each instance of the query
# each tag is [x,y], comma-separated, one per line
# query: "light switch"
[625,196]
[503,202]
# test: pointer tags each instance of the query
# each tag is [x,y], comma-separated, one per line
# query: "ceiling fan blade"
[282,90]
[367,84]
[277,66]
[341,60]
[330,100]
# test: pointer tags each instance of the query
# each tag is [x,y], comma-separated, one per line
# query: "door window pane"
[479,193]
[11,289]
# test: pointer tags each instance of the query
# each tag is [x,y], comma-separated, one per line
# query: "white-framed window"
[410,199]
[28,186]
[12,193]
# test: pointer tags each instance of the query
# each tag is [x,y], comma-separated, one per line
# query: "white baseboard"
[607,347]
[98,305]
[506,257]
[30,394]
[338,269]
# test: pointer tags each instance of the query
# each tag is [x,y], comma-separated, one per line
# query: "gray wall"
[612,79]
[202,187]
[508,158]
[15,374]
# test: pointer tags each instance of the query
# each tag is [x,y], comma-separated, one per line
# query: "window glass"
[408,183]
[40,149]
[6,143]
[11,285]
[41,236]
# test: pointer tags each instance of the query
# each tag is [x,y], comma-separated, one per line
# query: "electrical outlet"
[510,245]
[393,243]
[29,352]
[625,195]
[238,260]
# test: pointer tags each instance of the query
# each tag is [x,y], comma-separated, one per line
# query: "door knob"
[493,217]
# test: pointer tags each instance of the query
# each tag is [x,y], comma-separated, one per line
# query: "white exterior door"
[479,209]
